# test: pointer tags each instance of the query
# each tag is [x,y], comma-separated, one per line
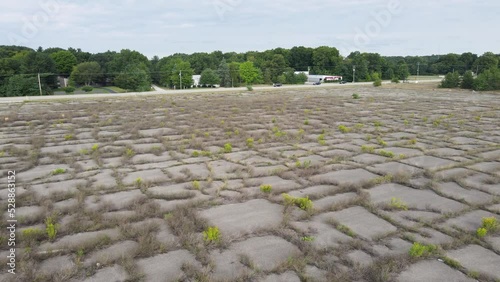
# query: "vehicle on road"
[277,84]
[343,82]
[317,83]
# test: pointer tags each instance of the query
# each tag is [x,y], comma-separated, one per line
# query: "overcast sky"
[158,27]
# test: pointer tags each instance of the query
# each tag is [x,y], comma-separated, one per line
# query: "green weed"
[420,250]
[59,171]
[266,188]
[212,234]
[228,148]
[302,203]
[398,204]
[344,129]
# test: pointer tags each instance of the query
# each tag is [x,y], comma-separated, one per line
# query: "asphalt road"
[160,91]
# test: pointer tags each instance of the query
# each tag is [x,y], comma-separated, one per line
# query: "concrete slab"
[166,267]
[394,168]
[429,162]
[288,276]
[471,196]
[234,220]
[419,199]
[477,258]
[115,273]
[325,235]
[432,270]
[345,177]
[470,221]
[362,222]
[266,253]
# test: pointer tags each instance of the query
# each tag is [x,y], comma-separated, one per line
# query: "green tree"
[488,80]
[485,62]
[181,71]
[234,69]
[276,66]
[402,71]
[451,80]
[467,80]
[85,73]
[325,60]
[224,74]
[24,85]
[135,77]
[248,72]
[65,61]
[209,77]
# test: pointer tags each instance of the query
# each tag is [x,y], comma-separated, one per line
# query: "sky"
[156,27]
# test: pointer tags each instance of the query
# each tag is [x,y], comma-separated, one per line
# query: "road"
[161,91]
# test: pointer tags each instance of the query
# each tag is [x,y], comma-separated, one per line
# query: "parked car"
[277,84]
[317,83]
[343,82]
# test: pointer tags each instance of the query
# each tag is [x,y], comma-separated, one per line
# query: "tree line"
[131,70]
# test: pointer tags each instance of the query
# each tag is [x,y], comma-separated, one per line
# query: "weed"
[266,188]
[59,171]
[382,179]
[84,152]
[306,122]
[69,137]
[425,119]
[138,182]
[195,154]
[129,153]
[2,154]
[51,228]
[451,262]
[478,118]
[321,137]
[95,148]
[346,230]
[212,234]
[31,235]
[355,96]
[367,149]
[359,126]
[274,120]
[412,141]
[302,203]
[398,204]
[378,123]
[228,148]
[305,164]
[406,122]
[387,154]
[196,185]
[489,223]
[307,238]
[421,250]
[481,232]
[381,142]
[250,142]
[344,129]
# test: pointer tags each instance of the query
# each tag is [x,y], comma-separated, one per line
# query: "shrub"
[307,238]
[69,89]
[377,82]
[467,80]
[451,80]
[138,182]
[346,230]
[95,148]
[266,188]
[355,96]
[87,88]
[228,148]
[212,234]
[488,80]
[249,88]
[420,250]
[195,154]
[306,122]
[129,153]
[395,80]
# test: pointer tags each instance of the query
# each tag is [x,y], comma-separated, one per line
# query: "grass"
[344,129]
[129,153]
[250,142]
[489,225]
[355,96]
[51,228]
[69,137]
[228,148]
[367,149]
[196,185]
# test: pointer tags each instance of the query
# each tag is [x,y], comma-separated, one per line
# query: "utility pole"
[418,70]
[180,79]
[353,74]
[40,85]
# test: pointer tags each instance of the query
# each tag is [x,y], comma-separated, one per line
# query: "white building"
[323,78]
[196,80]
